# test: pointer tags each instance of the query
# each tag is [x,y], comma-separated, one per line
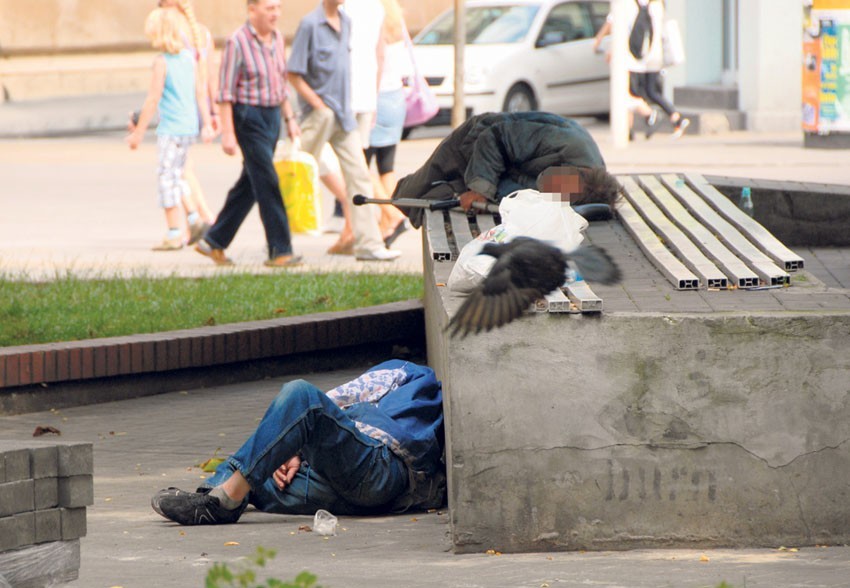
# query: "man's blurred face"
[561,180]
[264,15]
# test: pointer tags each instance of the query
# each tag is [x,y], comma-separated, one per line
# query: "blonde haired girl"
[175,90]
[199,40]
[389,121]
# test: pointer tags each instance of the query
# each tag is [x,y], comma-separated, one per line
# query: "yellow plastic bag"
[298,174]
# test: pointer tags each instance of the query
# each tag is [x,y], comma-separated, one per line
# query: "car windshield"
[503,23]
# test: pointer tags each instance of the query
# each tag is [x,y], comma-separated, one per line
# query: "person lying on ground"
[371,446]
[492,155]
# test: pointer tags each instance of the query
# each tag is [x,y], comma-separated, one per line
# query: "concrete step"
[703,122]
[711,97]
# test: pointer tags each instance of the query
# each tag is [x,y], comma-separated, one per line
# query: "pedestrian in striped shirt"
[252,96]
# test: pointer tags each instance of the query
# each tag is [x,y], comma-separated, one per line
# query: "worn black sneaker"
[170,491]
[194,508]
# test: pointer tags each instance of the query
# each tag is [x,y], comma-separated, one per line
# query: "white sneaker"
[382,254]
[683,124]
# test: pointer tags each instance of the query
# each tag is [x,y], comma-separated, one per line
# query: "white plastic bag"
[672,47]
[526,213]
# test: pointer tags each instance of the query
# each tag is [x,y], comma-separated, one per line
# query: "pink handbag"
[418,98]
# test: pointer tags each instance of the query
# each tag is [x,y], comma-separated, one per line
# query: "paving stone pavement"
[146,444]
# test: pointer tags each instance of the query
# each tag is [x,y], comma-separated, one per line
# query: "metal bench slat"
[583,298]
[460,229]
[741,275]
[668,226]
[675,271]
[732,237]
[485,222]
[435,233]
[759,235]
[675,239]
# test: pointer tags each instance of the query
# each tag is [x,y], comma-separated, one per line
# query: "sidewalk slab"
[145,444]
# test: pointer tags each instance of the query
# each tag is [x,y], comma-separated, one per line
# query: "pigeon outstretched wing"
[526,269]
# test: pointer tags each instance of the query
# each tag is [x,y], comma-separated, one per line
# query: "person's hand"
[134,139]
[207,134]
[293,129]
[215,122]
[467,198]
[284,475]
[228,143]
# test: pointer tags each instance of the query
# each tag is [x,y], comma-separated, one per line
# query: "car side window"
[598,13]
[566,22]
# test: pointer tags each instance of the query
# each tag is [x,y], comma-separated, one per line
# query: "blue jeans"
[343,470]
[257,131]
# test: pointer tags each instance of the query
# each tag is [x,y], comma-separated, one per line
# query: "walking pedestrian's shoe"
[217,255]
[342,247]
[197,231]
[169,244]
[381,254]
[401,227]
[650,123]
[283,261]
[681,126]
[194,508]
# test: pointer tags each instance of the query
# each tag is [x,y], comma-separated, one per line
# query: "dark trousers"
[649,86]
[257,131]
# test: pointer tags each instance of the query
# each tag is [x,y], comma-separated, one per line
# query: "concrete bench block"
[48,525]
[73,521]
[675,430]
[17,531]
[16,497]
[37,566]
[76,460]
[76,491]
[46,493]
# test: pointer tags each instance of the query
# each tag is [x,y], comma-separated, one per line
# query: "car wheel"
[520,98]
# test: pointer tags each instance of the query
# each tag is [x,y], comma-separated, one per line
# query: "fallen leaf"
[305,528]
[211,464]
[231,543]
[493,552]
[107,499]
[704,558]
[414,519]
[44,430]
[182,533]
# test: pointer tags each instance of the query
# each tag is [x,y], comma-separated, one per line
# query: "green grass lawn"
[71,308]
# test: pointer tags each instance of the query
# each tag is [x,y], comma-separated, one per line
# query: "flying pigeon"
[526,269]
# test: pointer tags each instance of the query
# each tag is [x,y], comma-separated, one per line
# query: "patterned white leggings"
[172,152]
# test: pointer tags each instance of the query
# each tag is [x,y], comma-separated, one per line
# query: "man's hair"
[599,186]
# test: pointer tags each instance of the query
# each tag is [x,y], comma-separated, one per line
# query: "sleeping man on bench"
[492,155]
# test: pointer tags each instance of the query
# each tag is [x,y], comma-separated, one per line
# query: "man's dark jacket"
[497,153]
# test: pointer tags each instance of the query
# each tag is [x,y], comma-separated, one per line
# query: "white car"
[520,55]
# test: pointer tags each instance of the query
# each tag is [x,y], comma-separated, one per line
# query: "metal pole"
[459,108]
[619,75]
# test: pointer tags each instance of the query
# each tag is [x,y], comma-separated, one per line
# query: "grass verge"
[71,308]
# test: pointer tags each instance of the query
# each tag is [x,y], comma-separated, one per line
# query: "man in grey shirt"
[319,69]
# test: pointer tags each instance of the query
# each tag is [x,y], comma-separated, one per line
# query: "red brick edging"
[174,350]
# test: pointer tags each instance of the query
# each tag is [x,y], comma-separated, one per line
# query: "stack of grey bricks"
[45,488]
